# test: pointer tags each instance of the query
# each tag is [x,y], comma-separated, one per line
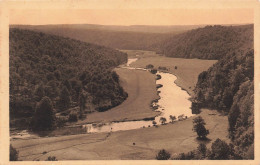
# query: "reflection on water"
[113,127]
[173,101]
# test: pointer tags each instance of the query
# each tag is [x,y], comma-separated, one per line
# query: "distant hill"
[210,42]
[119,37]
[47,65]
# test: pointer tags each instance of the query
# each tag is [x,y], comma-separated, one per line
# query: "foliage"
[210,42]
[163,155]
[172,118]
[149,66]
[220,150]
[199,127]
[13,154]
[153,71]
[202,149]
[229,86]
[64,99]
[44,117]
[163,120]
[51,158]
[43,65]
[73,117]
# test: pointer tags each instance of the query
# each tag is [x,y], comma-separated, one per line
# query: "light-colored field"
[141,89]
[175,138]
[187,70]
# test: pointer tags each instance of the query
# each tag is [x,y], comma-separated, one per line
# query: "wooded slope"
[210,42]
[47,65]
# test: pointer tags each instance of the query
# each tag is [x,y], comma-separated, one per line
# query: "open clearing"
[187,71]
[141,89]
[175,138]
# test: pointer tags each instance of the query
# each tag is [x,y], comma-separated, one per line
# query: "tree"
[39,92]
[149,66]
[64,101]
[199,127]
[154,123]
[172,118]
[153,71]
[52,158]
[73,117]
[163,155]
[202,148]
[220,150]
[44,117]
[13,153]
[163,120]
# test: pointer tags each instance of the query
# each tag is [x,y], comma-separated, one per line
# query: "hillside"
[229,86]
[61,68]
[210,42]
[136,37]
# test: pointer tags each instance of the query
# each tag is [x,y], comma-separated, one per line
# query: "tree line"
[229,86]
[58,72]
[210,42]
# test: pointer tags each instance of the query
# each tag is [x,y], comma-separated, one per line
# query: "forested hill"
[61,69]
[229,85]
[210,42]
[118,37]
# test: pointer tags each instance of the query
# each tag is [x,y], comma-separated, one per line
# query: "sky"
[132,16]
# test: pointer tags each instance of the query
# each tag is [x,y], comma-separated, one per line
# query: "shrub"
[172,118]
[163,155]
[13,154]
[61,120]
[73,117]
[154,71]
[52,158]
[163,120]
[149,66]
[220,150]
[202,149]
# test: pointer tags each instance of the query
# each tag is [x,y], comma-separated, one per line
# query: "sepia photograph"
[127,83]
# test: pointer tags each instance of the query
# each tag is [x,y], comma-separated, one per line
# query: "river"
[173,101]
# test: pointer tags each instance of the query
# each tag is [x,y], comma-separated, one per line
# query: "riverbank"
[141,88]
[186,70]
[175,138]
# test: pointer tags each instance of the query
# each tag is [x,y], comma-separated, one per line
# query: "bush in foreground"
[51,158]
[163,155]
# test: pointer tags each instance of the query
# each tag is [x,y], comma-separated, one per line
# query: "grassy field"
[175,138]
[141,89]
[187,69]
